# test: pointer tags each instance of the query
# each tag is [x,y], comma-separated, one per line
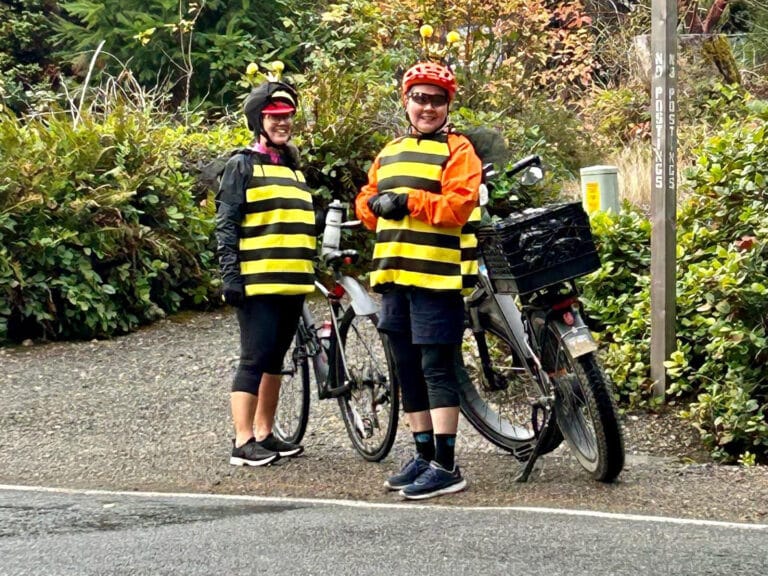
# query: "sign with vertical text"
[663,187]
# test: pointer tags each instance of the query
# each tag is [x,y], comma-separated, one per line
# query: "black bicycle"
[534,375]
[351,360]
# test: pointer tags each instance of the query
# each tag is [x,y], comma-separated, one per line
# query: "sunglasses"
[422,99]
[277,118]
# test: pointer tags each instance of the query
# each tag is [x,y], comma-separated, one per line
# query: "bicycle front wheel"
[370,408]
[500,408]
[585,409]
[292,412]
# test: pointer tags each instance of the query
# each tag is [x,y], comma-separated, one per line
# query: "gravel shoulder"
[149,411]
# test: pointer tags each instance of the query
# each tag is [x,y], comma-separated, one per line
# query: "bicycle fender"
[576,337]
[362,303]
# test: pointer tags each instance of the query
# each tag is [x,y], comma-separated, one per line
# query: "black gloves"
[389,205]
[233,294]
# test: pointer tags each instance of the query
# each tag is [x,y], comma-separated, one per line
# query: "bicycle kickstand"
[544,437]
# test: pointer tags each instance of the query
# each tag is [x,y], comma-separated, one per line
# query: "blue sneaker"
[434,481]
[412,469]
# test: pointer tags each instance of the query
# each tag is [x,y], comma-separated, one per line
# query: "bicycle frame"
[560,311]
[525,318]
[350,358]
[362,304]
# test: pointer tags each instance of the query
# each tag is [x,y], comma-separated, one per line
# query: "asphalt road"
[149,412]
[111,533]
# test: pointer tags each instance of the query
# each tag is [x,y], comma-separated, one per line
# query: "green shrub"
[197,51]
[717,369]
[723,289]
[28,73]
[617,299]
[620,114]
[100,228]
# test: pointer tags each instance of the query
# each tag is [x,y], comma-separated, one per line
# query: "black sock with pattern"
[425,444]
[445,447]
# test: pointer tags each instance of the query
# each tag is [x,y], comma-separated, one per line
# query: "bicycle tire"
[501,411]
[585,409]
[292,414]
[370,408]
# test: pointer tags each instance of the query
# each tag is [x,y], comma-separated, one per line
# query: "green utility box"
[600,189]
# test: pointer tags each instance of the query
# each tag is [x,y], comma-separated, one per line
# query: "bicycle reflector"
[338,291]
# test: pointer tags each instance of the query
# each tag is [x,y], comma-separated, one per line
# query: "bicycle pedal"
[363,427]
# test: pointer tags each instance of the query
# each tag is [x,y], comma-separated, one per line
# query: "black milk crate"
[538,247]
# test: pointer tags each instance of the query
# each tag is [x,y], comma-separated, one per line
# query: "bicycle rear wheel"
[370,408]
[585,409]
[292,412]
[501,411]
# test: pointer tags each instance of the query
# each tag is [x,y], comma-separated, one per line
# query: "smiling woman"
[265,228]
[428,88]
[422,191]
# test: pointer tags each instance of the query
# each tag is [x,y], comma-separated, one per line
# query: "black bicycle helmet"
[263,95]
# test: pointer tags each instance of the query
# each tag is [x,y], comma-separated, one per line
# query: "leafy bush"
[724,296]
[620,115]
[28,73]
[512,49]
[194,49]
[617,299]
[99,226]
[717,368]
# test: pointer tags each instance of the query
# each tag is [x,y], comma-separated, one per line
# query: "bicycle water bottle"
[324,336]
[332,232]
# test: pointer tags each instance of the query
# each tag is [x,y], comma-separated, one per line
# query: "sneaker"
[434,481]
[274,443]
[412,469]
[252,454]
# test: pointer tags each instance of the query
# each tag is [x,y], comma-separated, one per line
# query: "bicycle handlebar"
[520,165]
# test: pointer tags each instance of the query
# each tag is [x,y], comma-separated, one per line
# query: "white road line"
[362,504]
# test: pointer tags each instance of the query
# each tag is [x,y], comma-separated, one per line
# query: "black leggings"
[267,326]
[436,385]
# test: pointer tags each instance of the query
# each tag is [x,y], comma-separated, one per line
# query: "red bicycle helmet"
[430,73]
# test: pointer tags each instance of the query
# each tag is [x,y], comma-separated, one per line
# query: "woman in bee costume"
[265,230]
[421,190]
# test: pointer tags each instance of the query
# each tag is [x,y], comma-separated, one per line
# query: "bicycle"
[527,346]
[351,360]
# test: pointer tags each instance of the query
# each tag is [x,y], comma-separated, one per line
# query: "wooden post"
[664,187]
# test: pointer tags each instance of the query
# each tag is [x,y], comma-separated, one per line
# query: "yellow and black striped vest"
[410,252]
[277,234]
[469,251]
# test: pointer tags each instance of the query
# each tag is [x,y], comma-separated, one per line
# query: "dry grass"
[634,171]
[634,167]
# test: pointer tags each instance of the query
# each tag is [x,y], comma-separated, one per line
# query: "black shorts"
[267,327]
[431,317]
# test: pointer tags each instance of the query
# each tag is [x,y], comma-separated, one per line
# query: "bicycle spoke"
[292,412]
[370,407]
